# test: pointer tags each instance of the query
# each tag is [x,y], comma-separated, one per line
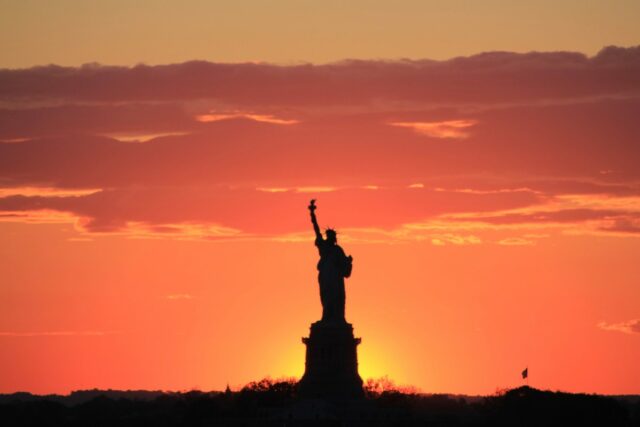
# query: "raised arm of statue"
[314,221]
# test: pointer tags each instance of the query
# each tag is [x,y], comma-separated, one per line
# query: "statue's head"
[331,235]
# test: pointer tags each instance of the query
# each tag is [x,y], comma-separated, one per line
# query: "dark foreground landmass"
[273,403]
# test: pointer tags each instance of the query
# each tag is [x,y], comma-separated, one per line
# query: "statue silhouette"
[331,361]
[333,267]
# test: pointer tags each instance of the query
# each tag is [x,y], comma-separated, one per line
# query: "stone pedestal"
[331,366]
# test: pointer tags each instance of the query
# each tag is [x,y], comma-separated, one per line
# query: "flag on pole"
[525,373]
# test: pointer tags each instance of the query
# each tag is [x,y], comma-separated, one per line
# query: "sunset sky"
[479,160]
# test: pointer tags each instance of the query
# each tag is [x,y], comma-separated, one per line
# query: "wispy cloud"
[515,241]
[57,333]
[273,189]
[454,239]
[237,152]
[318,189]
[307,189]
[46,191]
[628,327]
[622,225]
[266,118]
[142,137]
[43,216]
[448,129]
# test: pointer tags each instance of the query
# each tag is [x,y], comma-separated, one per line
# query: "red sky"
[156,231]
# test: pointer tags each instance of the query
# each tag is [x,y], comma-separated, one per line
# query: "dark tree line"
[274,403]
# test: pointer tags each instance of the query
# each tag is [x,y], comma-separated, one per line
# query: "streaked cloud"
[142,137]
[184,231]
[515,241]
[46,191]
[622,225]
[491,77]
[266,212]
[481,191]
[448,129]
[56,333]
[454,239]
[628,327]
[273,189]
[41,216]
[267,118]
[239,212]
[232,152]
[315,189]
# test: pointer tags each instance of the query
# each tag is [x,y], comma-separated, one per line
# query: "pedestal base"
[331,366]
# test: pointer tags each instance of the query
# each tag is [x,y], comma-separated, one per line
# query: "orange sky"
[154,218]
[73,32]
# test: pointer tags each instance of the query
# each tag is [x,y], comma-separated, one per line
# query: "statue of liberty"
[331,361]
[333,267]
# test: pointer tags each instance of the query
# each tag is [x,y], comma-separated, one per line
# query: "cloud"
[274,189]
[41,216]
[630,225]
[515,241]
[46,191]
[316,189]
[454,239]
[628,327]
[565,146]
[179,296]
[267,118]
[546,216]
[140,137]
[229,212]
[127,118]
[233,151]
[449,129]
[488,77]
[56,333]
[220,212]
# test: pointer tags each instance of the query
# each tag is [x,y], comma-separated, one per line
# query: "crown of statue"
[330,231]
